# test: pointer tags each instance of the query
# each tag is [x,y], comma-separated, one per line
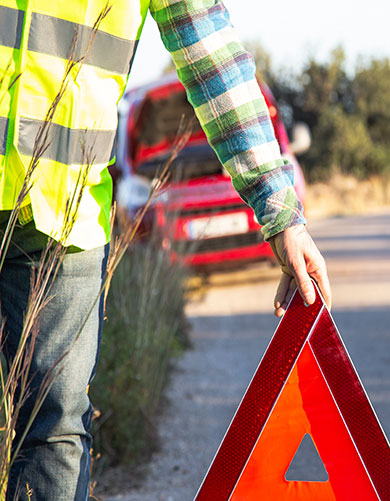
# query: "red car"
[200,217]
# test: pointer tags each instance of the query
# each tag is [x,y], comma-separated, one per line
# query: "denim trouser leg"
[54,460]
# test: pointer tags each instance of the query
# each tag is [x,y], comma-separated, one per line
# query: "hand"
[300,261]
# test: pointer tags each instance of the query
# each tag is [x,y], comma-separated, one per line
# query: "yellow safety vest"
[37,37]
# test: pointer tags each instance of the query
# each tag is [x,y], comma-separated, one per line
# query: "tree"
[348,114]
[371,90]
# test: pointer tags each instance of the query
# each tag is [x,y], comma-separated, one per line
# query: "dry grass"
[15,381]
[17,375]
[144,328]
[343,195]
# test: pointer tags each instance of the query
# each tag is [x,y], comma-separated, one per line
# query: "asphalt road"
[232,325]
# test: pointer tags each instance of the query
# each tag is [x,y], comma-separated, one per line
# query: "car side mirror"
[300,138]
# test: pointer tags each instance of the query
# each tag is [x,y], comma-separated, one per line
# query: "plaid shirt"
[219,77]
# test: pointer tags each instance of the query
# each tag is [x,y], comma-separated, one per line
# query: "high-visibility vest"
[37,38]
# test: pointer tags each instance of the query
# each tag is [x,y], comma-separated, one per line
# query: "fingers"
[322,280]
[284,294]
[282,290]
[303,281]
[299,258]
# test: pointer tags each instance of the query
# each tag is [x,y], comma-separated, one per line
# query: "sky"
[291,31]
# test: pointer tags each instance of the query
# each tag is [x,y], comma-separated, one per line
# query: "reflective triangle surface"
[305,384]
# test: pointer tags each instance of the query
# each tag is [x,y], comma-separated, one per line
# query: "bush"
[348,113]
[341,144]
[144,328]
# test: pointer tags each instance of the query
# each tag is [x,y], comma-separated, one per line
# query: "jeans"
[54,461]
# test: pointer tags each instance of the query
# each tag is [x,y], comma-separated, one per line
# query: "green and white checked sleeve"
[219,77]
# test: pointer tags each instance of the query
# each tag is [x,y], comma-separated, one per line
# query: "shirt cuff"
[273,198]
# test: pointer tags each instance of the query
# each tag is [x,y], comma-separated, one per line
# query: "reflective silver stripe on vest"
[67,146]
[3,135]
[56,37]
[11,27]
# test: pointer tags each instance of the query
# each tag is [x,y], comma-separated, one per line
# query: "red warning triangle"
[305,384]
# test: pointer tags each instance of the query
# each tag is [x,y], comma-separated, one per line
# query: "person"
[38,41]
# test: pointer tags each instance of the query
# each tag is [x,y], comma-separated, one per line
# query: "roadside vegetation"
[144,329]
[145,310]
[348,112]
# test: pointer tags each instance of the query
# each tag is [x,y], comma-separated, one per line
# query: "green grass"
[144,329]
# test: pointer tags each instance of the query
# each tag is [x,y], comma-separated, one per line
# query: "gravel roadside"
[208,383]
[232,325]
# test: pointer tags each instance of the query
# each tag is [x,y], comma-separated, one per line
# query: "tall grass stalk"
[15,384]
[14,381]
[121,242]
[18,373]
